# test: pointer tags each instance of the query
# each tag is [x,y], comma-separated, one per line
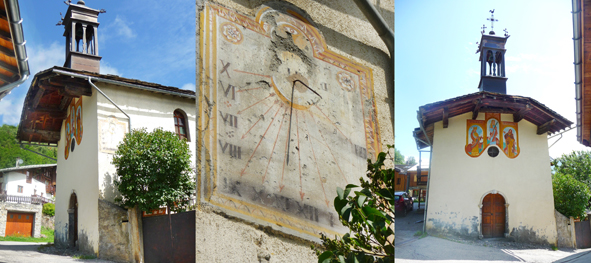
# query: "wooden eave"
[522,108]
[9,71]
[50,93]
[585,103]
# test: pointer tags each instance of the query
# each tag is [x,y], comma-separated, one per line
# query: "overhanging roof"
[582,57]
[36,166]
[53,89]
[14,66]
[522,108]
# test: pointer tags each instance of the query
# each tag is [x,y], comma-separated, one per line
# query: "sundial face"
[284,121]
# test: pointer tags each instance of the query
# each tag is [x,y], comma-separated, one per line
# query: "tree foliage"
[577,164]
[153,170]
[398,157]
[12,150]
[49,209]
[571,197]
[369,215]
[411,160]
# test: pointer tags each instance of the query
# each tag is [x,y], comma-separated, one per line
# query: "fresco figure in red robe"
[475,146]
[510,148]
[493,137]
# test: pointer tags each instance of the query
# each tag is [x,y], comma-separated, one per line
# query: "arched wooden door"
[493,216]
[73,220]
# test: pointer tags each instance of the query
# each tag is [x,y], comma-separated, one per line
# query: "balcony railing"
[24,199]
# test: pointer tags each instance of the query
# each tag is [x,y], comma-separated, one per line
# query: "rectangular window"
[398,181]
[20,189]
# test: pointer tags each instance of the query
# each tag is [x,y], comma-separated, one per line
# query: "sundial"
[284,120]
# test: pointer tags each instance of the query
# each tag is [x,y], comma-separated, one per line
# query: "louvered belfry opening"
[81,32]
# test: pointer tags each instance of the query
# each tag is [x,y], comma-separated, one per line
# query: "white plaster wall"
[14,179]
[458,183]
[78,174]
[147,110]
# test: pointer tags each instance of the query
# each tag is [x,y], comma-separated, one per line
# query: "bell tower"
[81,32]
[492,60]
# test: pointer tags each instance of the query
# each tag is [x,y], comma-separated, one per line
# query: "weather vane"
[483,29]
[492,20]
[506,33]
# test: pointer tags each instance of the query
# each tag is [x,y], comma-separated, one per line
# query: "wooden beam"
[5,35]
[6,79]
[10,68]
[476,108]
[6,51]
[518,116]
[503,104]
[544,128]
[53,112]
[445,117]
[65,102]
[48,135]
[37,98]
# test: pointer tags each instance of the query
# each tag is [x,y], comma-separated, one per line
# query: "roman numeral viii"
[233,150]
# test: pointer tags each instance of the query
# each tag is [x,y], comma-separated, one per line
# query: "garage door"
[20,224]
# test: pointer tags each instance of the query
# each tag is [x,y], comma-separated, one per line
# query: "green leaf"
[340,193]
[325,257]
[372,211]
[386,194]
[341,259]
[361,200]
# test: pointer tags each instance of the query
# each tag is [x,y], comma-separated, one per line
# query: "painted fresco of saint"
[474,148]
[510,144]
[493,132]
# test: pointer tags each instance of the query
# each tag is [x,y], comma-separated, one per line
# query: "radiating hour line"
[329,149]
[255,149]
[333,123]
[244,136]
[266,76]
[317,168]
[241,90]
[299,159]
[285,156]
[274,144]
[270,95]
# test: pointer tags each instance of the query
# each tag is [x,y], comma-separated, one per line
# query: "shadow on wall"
[108,191]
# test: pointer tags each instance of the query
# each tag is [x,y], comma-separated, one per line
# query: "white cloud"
[11,110]
[188,86]
[123,28]
[107,69]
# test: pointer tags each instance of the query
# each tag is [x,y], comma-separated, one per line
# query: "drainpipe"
[578,63]
[19,44]
[385,33]
[114,104]
[38,153]
[430,144]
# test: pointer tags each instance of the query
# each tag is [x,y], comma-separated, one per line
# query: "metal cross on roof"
[492,20]
[483,28]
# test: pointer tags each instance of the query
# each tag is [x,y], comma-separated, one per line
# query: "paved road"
[413,249]
[26,252]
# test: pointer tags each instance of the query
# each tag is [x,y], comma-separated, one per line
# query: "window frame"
[179,114]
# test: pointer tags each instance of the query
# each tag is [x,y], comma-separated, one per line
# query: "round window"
[493,151]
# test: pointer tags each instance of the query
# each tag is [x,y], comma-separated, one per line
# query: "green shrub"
[49,209]
[571,197]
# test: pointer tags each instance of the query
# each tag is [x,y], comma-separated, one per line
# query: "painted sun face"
[288,121]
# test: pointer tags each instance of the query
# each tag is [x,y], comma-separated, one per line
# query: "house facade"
[486,146]
[23,191]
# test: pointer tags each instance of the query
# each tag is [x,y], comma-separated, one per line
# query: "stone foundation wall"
[113,232]
[48,222]
[221,238]
[36,209]
[565,230]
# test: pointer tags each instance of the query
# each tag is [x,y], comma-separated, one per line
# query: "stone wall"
[221,238]
[113,232]
[565,229]
[21,208]
[48,222]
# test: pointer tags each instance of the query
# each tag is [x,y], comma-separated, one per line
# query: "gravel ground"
[26,252]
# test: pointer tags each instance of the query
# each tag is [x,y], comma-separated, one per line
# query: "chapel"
[490,170]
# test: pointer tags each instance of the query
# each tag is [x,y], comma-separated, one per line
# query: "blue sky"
[436,60]
[148,40]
